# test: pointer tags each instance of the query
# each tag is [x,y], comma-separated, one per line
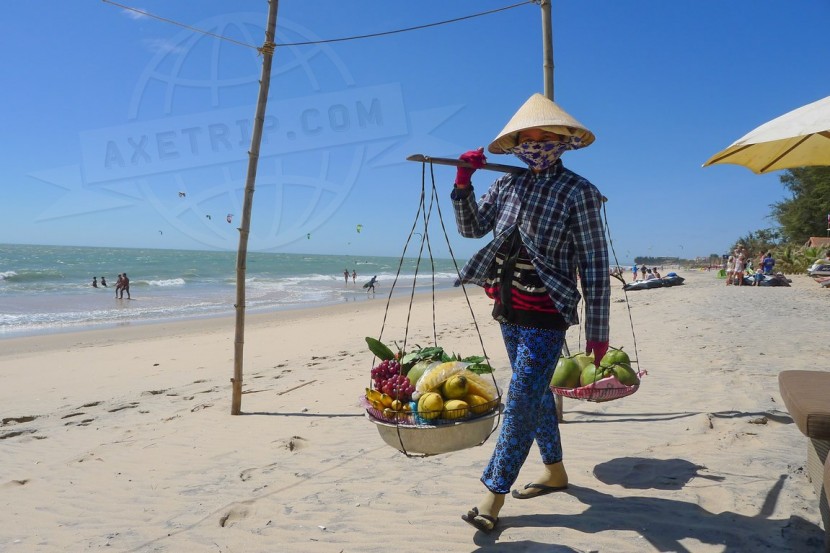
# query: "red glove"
[599,350]
[476,159]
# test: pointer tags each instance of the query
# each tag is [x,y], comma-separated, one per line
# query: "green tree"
[759,242]
[805,214]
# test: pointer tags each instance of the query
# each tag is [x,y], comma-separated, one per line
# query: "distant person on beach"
[371,284]
[346,275]
[740,265]
[768,263]
[643,272]
[104,282]
[730,269]
[656,274]
[547,227]
[118,284]
[95,282]
[125,286]
[634,270]
[758,277]
[354,276]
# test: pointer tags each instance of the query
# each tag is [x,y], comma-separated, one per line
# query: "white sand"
[122,440]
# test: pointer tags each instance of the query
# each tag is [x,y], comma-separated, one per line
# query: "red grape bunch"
[388,379]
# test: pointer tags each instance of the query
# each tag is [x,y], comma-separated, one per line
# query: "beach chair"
[806,395]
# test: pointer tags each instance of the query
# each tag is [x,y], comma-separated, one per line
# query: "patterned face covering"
[541,155]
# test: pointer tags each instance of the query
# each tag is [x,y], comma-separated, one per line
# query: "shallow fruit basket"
[601,390]
[433,439]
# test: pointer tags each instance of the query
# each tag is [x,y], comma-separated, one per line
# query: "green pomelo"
[566,374]
[614,357]
[417,370]
[625,374]
[583,360]
[590,374]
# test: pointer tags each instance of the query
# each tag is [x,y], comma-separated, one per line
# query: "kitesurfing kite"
[182,194]
[208,216]
[359,228]
[229,217]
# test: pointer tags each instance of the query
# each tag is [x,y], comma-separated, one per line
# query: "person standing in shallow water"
[118,284]
[95,282]
[104,282]
[125,286]
[548,227]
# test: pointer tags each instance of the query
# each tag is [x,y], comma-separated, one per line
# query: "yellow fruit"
[430,405]
[478,405]
[435,376]
[372,395]
[455,387]
[481,386]
[397,405]
[455,409]
[386,400]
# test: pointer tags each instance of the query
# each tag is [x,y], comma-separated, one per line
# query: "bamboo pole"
[547,70]
[267,52]
[547,48]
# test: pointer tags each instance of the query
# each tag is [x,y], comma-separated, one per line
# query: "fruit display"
[579,371]
[429,386]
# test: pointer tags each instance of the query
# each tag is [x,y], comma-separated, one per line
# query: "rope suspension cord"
[270,46]
[424,215]
[602,394]
[625,292]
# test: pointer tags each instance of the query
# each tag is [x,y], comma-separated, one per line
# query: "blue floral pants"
[530,409]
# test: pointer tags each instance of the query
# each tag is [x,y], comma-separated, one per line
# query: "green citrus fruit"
[614,357]
[566,374]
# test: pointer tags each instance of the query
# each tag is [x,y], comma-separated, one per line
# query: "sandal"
[485,523]
[543,490]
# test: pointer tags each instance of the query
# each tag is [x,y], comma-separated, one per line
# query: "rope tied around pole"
[267,48]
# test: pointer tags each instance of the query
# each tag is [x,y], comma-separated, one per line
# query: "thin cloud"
[134,14]
[157,45]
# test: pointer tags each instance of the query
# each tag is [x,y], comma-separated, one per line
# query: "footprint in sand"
[295,443]
[131,405]
[15,483]
[15,433]
[231,517]
[10,420]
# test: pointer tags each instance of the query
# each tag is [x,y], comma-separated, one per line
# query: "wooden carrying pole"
[267,52]
[547,68]
[547,48]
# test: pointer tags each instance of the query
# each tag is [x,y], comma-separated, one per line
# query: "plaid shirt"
[558,216]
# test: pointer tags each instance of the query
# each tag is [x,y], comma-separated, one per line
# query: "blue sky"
[108,116]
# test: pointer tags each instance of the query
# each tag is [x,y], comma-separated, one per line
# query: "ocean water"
[45,289]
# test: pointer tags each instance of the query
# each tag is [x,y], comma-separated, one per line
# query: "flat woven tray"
[606,389]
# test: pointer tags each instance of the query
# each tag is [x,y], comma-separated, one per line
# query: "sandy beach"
[122,439]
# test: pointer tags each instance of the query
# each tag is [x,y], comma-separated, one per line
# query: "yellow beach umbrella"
[798,138]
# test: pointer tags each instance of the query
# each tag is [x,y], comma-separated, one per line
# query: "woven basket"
[607,389]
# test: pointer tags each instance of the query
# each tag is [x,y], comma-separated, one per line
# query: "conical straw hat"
[539,113]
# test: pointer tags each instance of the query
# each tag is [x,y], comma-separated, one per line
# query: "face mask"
[541,155]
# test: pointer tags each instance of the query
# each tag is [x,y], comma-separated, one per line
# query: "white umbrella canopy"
[795,139]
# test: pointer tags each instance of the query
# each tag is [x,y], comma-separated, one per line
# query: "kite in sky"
[229,217]
[182,194]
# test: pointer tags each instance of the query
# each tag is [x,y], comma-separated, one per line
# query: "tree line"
[803,215]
